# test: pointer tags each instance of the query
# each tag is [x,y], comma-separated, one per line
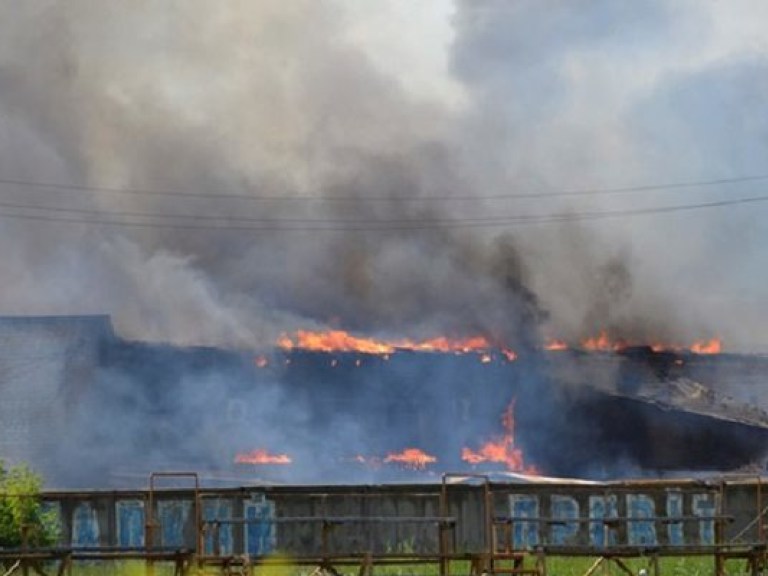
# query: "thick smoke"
[572,97]
[279,114]
[263,101]
[274,100]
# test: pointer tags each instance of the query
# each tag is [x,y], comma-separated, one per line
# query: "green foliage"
[668,566]
[22,517]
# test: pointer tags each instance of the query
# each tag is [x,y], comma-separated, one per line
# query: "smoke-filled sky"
[361,160]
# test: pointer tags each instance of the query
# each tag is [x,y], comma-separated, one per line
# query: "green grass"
[556,566]
[668,566]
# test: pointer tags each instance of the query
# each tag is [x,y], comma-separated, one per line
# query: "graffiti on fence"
[85,526]
[218,536]
[173,515]
[130,523]
[634,519]
[260,533]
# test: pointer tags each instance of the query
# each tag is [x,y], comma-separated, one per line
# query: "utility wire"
[389,198]
[318,225]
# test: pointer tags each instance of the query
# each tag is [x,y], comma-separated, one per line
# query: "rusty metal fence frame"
[498,554]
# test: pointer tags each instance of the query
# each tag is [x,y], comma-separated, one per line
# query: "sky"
[238,171]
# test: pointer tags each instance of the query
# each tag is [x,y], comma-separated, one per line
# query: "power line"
[682,185]
[330,225]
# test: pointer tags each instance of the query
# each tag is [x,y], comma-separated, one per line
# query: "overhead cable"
[106,218]
[519,195]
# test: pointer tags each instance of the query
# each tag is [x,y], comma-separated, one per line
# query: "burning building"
[88,408]
[251,182]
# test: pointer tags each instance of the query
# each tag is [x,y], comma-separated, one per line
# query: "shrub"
[21,509]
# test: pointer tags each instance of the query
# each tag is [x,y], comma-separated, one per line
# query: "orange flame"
[334,341]
[713,346]
[285,343]
[602,343]
[502,449]
[411,458]
[342,341]
[261,456]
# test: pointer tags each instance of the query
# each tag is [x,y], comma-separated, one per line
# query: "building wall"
[44,363]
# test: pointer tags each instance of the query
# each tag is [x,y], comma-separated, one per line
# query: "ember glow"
[713,346]
[603,342]
[510,355]
[373,462]
[261,361]
[411,458]
[261,456]
[555,345]
[443,344]
[659,347]
[501,450]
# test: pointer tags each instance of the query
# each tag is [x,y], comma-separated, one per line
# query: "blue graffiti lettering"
[675,533]
[130,523]
[525,534]
[564,508]
[259,532]
[85,526]
[641,532]
[602,508]
[704,505]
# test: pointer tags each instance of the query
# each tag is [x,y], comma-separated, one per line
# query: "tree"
[23,519]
